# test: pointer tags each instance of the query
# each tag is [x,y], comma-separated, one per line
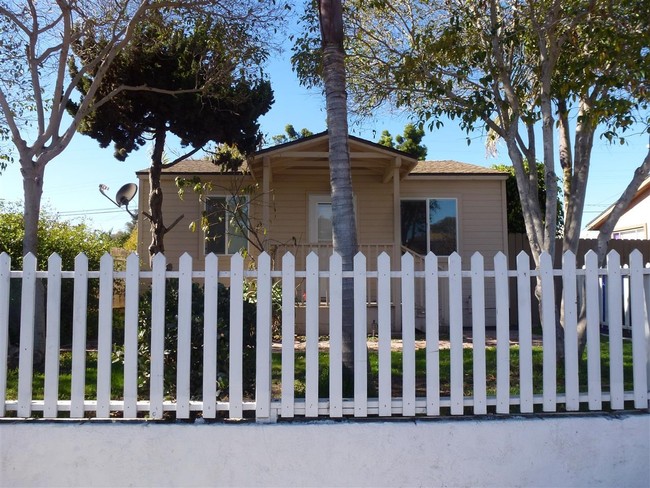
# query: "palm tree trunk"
[343,219]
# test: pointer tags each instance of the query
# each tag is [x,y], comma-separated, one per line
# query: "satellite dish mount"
[123,196]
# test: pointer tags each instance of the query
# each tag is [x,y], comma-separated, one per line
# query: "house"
[635,221]
[401,205]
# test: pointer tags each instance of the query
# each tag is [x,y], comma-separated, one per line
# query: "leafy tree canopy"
[290,134]
[410,142]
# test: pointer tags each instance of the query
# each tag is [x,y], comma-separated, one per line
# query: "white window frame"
[227,198]
[313,200]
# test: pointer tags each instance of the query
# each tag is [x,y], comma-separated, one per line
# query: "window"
[224,234]
[430,224]
[320,218]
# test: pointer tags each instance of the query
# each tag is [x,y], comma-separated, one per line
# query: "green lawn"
[117,378]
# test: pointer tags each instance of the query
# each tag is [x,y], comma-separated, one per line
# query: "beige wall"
[481,208]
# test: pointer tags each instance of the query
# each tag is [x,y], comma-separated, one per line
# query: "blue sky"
[72,180]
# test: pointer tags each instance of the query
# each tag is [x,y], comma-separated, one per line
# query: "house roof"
[641,194]
[311,154]
[452,168]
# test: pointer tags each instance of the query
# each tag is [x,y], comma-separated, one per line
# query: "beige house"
[401,204]
[634,223]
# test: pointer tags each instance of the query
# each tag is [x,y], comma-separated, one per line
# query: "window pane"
[414,225]
[216,236]
[324,216]
[238,210]
[442,226]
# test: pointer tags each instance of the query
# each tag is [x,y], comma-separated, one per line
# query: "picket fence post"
[26,357]
[549,354]
[210,335]
[336,336]
[288,334]
[503,332]
[384,335]
[263,346]
[5,286]
[311,346]
[105,335]
[592,287]
[157,351]
[408,336]
[360,337]
[79,336]
[236,376]
[432,333]
[639,324]
[184,339]
[614,302]
[525,333]
[131,305]
[570,331]
[53,337]
[456,334]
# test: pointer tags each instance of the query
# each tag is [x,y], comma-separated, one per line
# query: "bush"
[196,361]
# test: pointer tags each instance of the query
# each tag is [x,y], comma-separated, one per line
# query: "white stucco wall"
[552,451]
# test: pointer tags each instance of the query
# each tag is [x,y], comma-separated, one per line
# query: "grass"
[65,376]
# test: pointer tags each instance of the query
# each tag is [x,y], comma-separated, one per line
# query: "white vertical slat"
[80,308]
[131,295]
[456,334]
[548,333]
[639,350]
[478,333]
[592,286]
[408,335]
[311,345]
[432,331]
[5,280]
[53,337]
[383,330]
[501,289]
[236,376]
[263,333]
[184,339]
[525,333]
[571,360]
[156,380]
[336,336]
[104,336]
[646,288]
[360,338]
[614,305]
[288,334]
[210,335]
[26,358]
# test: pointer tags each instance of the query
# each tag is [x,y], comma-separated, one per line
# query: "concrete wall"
[551,451]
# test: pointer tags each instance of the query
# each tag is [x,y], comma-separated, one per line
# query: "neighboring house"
[401,204]
[635,221]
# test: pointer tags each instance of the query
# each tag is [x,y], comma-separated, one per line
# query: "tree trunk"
[155,216]
[33,188]
[343,219]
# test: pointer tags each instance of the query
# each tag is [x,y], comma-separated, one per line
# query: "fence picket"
[104,338]
[408,336]
[549,354]
[311,344]
[336,336]
[5,287]
[26,357]
[236,374]
[53,337]
[503,332]
[210,335]
[478,333]
[614,306]
[639,323]
[456,334]
[79,323]
[592,288]
[360,337]
[432,332]
[570,332]
[184,339]
[384,335]
[525,334]
[263,333]
[156,378]
[131,303]
[288,334]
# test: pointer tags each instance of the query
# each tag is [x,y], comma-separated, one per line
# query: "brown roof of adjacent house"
[452,168]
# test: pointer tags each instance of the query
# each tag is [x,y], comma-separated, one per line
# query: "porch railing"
[445,378]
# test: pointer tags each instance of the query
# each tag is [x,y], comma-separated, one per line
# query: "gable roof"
[641,194]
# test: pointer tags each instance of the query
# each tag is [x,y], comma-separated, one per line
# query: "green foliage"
[290,134]
[516,223]
[409,142]
[204,63]
[55,236]
[196,325]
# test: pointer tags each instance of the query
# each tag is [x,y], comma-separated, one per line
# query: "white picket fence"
[515,395]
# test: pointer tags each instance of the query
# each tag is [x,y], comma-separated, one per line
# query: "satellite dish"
[126,194]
